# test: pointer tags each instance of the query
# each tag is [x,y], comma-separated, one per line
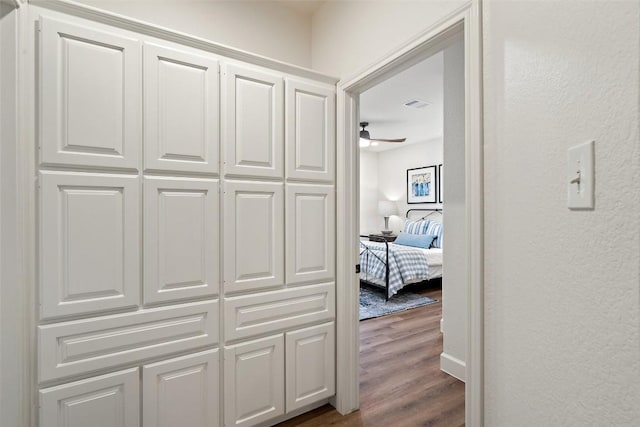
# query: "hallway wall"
[348,36]
[265,27]
[562,300]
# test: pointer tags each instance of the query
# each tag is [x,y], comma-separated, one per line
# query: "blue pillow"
[416,227]
[415,240]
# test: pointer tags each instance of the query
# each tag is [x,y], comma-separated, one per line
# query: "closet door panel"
[76,347]
[90,104]
[182,391]
[253,236]
[310,137]
[254,381]
[269,312]
[105,401]
[180,111]
[310,370]
[253,124]
[310,233]
[180,239]
[88,243]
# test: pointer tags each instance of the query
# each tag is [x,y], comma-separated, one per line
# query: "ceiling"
[304,7]
[383,105]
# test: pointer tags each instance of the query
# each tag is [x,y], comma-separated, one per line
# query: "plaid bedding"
[405,264]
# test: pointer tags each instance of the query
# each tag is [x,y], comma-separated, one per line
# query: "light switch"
[581,176]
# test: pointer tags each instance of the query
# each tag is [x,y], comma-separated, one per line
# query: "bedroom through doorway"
[412,195]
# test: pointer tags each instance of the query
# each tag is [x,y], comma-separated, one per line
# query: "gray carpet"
[373,304]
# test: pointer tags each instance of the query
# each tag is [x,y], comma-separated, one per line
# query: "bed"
[393,266]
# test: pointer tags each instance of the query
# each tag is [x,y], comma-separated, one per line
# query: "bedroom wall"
[455,260]
[369,222]
[562,287]
[348,36]
[392,176]
[265,27]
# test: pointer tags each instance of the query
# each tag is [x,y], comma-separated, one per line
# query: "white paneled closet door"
[254,381]
[84,346]
[180,239]
[310,131]
[89,243]
[310,347]
[107,400]
[182,392]
[285,309]
[253,235]
[310,233]
[180,111]
[90,102]
[253,109]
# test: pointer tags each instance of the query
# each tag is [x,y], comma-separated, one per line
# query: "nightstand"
[382,237]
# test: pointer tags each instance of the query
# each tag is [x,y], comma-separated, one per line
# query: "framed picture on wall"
[440,198]
[421,185]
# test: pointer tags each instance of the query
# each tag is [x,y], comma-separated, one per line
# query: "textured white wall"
[562,295]
[264,27]
[455,262]
[348,36]
[370,221]
[392,176]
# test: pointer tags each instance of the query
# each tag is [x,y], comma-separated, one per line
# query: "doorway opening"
[462,26]
[409,297]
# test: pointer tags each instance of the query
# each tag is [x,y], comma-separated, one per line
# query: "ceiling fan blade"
[389,140]
[364,134]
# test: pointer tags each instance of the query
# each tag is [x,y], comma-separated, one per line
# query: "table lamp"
[386,208]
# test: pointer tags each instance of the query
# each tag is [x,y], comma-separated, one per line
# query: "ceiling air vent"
[416,103]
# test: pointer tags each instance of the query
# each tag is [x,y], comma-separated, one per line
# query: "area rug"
[373,304]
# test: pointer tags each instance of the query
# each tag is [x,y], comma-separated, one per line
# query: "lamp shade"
[387,208]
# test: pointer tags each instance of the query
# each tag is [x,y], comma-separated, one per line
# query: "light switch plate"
[581,176]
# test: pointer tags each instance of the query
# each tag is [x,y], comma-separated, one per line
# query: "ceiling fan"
[366,140]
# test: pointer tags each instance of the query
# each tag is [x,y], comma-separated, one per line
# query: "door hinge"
[357,268]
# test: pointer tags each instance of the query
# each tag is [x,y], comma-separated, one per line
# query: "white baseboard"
[454,367]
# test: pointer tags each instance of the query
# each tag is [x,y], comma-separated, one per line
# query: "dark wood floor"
[400,379]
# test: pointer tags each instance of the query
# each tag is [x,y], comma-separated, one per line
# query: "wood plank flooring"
[401,383]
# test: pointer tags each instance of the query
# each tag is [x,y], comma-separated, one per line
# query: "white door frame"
[466,19]
[15,359]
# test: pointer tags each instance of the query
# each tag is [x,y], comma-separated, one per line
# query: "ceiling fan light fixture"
[364,142]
